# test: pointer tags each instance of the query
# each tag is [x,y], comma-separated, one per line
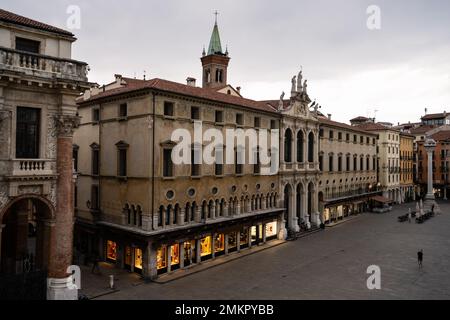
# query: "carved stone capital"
[66,125]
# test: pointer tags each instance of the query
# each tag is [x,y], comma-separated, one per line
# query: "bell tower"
[214,62]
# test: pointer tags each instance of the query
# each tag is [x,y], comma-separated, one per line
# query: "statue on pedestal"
[305,86]
[299,81]
[281,103]
[293,84]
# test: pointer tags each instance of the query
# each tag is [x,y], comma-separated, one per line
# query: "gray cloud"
[400,69]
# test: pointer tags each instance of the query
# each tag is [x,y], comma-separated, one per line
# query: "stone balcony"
[13,62]
[28,168]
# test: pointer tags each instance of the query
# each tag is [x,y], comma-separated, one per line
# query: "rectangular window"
[331,134]
[257,123]
[167,163]
[355,164]
[330,164]
[321,133]
[205,246]
[361,139]
[75,158]
[219,116]
[95,162]
[195,113]
[355,138]
[123,110]
[168,108]
[95,115]
[195,168]
[347,165]
[138,258]
[321,163]
[161,258]
[219,161]
[340,164]
[257,165]
[27,133]
[339,135]
[27,45]
[238,166]
[273,124]
[239,119]
[347,137]
[122,163]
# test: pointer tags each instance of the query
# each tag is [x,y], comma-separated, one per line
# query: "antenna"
[375,114]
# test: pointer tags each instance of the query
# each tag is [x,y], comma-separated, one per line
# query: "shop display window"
[232,242]
[161,257]
[175,254]
[138,258]
[111,250]
[127,256]
[271,229]
[219,242]
[205,246]
[244,238]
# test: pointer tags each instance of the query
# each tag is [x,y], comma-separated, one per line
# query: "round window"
[258,186]
[215,190]
[272,185]
[191,192]
[233,189]
[170,194]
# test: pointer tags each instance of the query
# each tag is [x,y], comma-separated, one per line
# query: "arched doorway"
[25,237]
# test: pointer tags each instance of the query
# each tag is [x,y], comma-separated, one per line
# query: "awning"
[381,199]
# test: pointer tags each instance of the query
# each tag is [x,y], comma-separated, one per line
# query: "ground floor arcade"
[172,250]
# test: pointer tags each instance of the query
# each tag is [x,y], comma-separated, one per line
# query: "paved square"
[328,265]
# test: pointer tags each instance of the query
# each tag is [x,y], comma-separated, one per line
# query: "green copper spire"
[214,43]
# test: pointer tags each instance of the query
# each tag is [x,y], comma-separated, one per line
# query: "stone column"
[181,244]
[293,214]
[149,262]
[59,284]
[226,208]
[238,208]
[263,203]
[133,256]
[198,214]
[198,250]
[169,258]
[171,215]
[155,220]
[213,245]
[264,233]
[181,216]
[281,226]
[225,244]
[163,222]
[213,211]
[249,237]
[238,241]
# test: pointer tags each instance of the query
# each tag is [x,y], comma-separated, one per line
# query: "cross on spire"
[216,13]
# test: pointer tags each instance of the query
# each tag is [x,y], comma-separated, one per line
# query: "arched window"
[311,147]
[193,209]
[204,205]
[169,210]
[175,213]
[300,146]
[288,146]
[187,212]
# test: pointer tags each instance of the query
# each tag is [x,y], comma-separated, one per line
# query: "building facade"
[441,165]
[136,208]
[39,82]
[407,189]
[348,166]
[388,150]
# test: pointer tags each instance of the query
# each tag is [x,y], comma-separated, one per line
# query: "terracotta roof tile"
[174,87]
[17,19]
[441,135]
[326,121]
[434,116]
[371,126]
[421,129]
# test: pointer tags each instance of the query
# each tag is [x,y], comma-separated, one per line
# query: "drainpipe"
[153,157]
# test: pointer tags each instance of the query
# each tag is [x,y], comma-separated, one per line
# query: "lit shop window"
[205,245]
[271,229]
[138,258]
[253,232]
[175,254]
[219,242]
[111,250]
[244,237]
[232,242]
[161,258]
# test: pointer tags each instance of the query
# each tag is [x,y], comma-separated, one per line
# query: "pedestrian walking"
[409,216]
[432,208]
[420,258]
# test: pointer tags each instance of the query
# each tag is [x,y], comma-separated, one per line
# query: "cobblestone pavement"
[328,265]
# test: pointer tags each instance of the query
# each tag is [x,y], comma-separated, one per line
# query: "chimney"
[118,78]
[190,81]
[445,113]
[238,89]
[329,116]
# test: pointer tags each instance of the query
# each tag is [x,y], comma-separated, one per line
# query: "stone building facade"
[407,189]
[139,210]
[39,83]
[388,146]
[348,166]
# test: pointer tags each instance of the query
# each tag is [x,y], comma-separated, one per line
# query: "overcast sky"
[398,70]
